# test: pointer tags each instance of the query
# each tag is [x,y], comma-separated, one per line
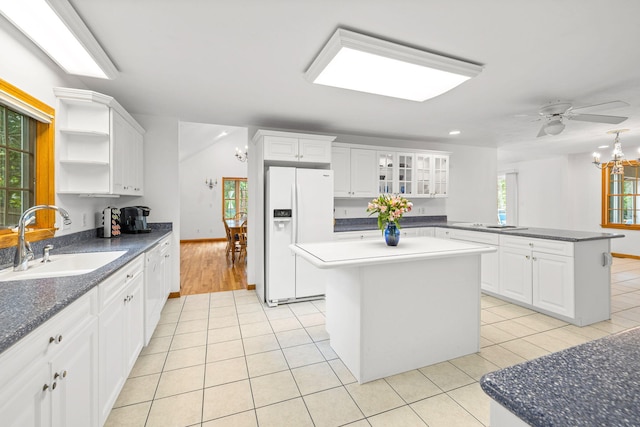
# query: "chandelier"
[618,162]
[242,155]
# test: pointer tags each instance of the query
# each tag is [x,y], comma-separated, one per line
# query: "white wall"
[564,192]
[201,207]
[161,176]
[472,178]
[543,192]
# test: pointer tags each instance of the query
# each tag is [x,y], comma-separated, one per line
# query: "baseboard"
[174,294]
[214,239]
[617,255]
[251,287]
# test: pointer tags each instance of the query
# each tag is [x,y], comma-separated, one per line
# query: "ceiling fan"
[554,114]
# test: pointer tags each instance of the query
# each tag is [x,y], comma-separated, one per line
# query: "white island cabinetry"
[373,327]
[98,144]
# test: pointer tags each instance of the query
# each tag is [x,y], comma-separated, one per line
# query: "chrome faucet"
[24,253]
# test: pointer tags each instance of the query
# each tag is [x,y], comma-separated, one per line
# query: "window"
[26,163]
[17,146]
[234,197]
[502,199]
[621,197]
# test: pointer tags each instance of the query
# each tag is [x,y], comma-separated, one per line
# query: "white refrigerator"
[298,209]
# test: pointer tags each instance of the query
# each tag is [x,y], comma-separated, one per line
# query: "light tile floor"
[224,359]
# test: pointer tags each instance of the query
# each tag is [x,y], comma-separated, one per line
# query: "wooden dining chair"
[241,243]
[231,241]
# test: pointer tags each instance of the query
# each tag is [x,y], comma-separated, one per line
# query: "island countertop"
[352,253]
[592,384]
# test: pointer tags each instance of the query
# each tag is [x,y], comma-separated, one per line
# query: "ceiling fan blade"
[542,131]
[603,106]
[598,118]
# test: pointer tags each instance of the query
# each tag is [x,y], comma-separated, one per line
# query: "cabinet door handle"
[61,375]
[534,258]
[57,339]
[45,387]
[129,276]
[528,257]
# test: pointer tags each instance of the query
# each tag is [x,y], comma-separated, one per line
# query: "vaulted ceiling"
[241,63]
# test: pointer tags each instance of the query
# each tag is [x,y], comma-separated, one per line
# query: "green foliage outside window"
[17,154]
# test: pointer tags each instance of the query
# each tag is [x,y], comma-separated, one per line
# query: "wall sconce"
[242,155]
[211,183]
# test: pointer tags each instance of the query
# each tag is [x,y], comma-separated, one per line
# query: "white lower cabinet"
[158,272]
[538,272]
[553,283]
[121,330]
[50,377]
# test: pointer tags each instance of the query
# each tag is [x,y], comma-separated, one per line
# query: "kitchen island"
[394,309]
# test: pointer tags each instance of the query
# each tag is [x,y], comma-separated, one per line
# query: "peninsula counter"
[394,309]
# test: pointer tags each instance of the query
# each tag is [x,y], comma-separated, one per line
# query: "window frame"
[237,198]
[606,184]
[44,175]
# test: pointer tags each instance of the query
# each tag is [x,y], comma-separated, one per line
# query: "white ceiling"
[241,63]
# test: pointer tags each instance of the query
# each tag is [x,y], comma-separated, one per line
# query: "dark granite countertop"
[371,223]
[26,304]
[362,224]
[593,384]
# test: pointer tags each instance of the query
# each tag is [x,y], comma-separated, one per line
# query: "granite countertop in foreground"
[371,223]
[27,304]
[593,384]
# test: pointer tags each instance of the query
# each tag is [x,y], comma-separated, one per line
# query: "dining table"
[235,227]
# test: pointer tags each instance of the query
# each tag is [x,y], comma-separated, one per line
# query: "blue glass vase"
[392,234]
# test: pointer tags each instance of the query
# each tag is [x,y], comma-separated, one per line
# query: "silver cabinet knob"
[57,339]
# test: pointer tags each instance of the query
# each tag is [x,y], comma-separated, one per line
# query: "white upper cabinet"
[354,172]
[291,147]
[99,145]
[432,175]
[421,174]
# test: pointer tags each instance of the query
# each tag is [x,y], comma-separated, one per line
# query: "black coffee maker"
[133,219]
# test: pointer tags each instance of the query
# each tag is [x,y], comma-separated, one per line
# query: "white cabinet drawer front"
[49,338]
[474,236]
[112,286]
[357,235]
[555,247]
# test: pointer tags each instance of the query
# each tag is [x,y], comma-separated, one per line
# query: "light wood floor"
[204,268]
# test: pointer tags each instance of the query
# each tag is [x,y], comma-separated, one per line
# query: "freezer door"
[314,223]
[279,259]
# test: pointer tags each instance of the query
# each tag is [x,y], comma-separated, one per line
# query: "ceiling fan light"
[554,127]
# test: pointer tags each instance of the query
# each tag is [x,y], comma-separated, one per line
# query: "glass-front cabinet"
[440,175]
[405,173]
[386,162]
[423,174]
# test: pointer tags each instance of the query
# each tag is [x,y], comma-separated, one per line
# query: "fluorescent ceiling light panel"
[61,34]
[357,62]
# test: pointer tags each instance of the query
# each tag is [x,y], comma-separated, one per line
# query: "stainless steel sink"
[491,226]
[62,265]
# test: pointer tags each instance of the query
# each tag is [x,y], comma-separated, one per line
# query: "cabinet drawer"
[555,247]
[357,235]
[474,236]
[112,286]
[49,338]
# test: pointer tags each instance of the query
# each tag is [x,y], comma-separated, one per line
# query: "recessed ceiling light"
[366,64]
[57,29]
[454,132]
[603,146]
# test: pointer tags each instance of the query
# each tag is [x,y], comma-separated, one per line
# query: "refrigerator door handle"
[294,232]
